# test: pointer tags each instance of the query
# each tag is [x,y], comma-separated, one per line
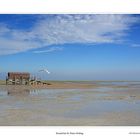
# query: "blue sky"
[71,47]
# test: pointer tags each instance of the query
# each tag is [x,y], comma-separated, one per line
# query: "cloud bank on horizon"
[49,30]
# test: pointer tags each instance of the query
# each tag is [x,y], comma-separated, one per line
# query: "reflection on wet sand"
[15,92]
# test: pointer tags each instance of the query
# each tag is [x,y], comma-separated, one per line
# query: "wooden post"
[15,80]
[6,80]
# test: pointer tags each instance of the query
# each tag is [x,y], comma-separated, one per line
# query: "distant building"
[18,78]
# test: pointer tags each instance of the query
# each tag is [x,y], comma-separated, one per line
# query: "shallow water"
[31,106]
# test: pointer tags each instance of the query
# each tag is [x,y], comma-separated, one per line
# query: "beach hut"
[18,78]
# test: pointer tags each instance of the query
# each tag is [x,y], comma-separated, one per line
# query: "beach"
[71,103]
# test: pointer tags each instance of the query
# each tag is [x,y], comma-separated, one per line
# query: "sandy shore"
[52,85]
[65,85]
[60,85]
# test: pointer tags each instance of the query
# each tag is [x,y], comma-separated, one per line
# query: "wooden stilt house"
[18,78]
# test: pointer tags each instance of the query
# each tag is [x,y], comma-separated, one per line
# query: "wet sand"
[71,104]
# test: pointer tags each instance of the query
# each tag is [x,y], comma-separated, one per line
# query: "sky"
[71,47]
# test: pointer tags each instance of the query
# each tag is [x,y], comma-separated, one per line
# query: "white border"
[90,133]
[69,6]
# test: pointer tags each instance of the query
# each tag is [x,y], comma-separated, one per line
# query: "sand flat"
[67,104]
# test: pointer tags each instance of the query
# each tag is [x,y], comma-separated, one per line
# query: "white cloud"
[135,45]
[52,49]
[9,46]
[83,28]
[61,29]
